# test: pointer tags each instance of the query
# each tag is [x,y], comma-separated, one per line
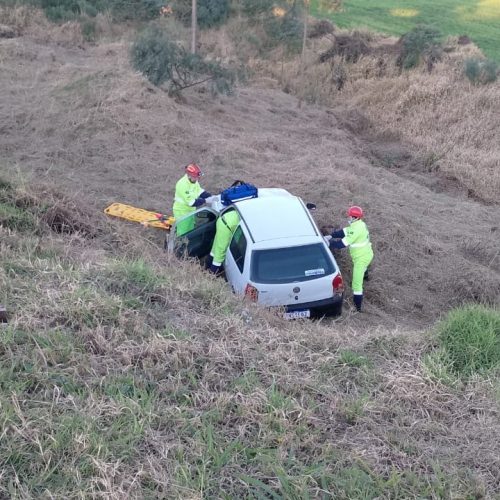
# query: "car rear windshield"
[287,265]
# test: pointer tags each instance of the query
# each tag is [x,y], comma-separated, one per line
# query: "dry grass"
[28,20]
[438,115]
[441,115]
[82,119]
[127,374]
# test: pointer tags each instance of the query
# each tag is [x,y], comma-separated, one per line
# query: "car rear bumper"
[318,308]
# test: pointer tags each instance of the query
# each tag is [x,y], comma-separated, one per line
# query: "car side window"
[238,248]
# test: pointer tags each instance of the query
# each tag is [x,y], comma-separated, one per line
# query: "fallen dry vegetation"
[126,374]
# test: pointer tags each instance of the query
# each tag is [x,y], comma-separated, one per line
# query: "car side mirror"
[311,206]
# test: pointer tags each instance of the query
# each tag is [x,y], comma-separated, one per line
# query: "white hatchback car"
[277,255]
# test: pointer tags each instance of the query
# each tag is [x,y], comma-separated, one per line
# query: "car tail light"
[338,284]
[251,292]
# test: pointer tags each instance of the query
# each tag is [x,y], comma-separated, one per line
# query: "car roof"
[276,214]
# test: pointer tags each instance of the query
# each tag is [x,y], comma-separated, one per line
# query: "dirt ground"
[79,118]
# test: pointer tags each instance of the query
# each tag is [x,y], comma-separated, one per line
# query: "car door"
[197,241]
[236,263]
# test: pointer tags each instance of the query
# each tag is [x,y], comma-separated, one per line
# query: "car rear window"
[287,265]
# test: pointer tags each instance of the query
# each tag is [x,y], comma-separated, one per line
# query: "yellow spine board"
[145,217]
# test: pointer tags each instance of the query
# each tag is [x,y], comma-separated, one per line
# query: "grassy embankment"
[126,374]
[478,20]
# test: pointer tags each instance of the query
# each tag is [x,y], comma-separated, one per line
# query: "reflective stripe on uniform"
[360,245]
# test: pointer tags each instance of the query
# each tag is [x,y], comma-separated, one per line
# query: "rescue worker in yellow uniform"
[225,227]
[357,237]
[189,195]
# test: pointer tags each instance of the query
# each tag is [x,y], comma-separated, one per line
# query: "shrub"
[210,13]
[321,28]
[154,55]
[160,60]
[88,27]
[130,10]
[121,10]
[470,337]
[349,47]
[472,69]
[286,29]
[253,8]
[422,43]
[481,71]
[61,10]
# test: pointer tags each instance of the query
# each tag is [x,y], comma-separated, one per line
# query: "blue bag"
[237,192]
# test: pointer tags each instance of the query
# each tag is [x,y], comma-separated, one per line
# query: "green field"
[478,19]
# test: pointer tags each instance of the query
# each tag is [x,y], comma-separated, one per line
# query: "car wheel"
[337,309]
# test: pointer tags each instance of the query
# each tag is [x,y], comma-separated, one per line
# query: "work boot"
[358,300]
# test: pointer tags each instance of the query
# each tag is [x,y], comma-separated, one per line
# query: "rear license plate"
[306,313]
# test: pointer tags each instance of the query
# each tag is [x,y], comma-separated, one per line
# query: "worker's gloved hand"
[205,195]
[214,269]
[198,202]
[337,244]
[327,237]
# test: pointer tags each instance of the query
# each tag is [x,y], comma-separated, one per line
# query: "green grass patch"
[89,307]
[353,359]
[247,382]
[470,340]
[132,279]
[478,20]
[173,333]
[345,480]
[13,217]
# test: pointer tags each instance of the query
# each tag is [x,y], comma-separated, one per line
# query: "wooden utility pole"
[303,56]
[304,35]
[194,26]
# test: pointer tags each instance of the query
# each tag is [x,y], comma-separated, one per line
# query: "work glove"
[198,202]
[205,195]
[327,238]
[214,269]
[338,234]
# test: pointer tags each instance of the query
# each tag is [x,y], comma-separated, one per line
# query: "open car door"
[193,234]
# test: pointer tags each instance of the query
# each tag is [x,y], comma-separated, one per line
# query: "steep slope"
[127,374]
[79,118]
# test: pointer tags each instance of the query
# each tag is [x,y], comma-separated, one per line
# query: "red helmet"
[356,212]
[193,170]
